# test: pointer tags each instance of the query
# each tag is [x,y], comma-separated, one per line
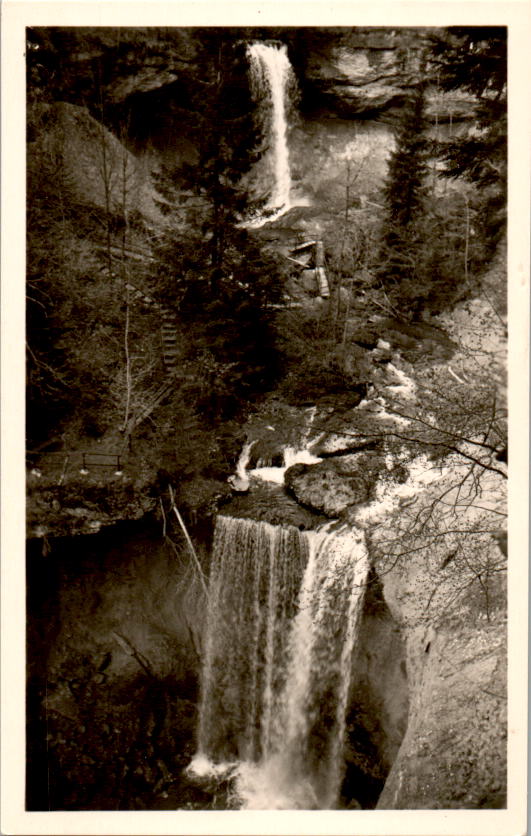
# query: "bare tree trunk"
[126,292]
[106,174]
[189,542]
[467,235]
[128,375]
[342,251]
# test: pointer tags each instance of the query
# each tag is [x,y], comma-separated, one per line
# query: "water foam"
[290,456]
[282,623]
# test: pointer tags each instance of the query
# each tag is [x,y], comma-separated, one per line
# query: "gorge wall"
[116,637]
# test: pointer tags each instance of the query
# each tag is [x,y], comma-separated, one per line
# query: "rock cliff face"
[378,702]
[113,643]
[369,71]
[348,73]
[453,754]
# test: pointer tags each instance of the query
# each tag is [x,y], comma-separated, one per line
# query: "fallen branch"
[163,518]
[63,473]
[188,540]
[128,648]
[459,379]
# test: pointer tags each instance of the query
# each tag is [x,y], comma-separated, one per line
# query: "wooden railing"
[60,462]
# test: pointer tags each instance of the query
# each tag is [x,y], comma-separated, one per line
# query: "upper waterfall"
[271,76]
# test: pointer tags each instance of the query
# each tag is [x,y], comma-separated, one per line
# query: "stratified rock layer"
[372,70]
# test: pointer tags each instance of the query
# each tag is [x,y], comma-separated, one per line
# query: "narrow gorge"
[267,419]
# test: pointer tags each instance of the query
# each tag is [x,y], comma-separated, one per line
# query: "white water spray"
[240,479]
[271,74]
[282,624]
[290,456]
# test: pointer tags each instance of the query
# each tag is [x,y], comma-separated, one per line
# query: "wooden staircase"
[169,330]
[170,347]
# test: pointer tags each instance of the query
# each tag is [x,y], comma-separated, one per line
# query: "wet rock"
[79,508]
[239,484]
[113,664]
[271,504]
[335,485]
[378,703]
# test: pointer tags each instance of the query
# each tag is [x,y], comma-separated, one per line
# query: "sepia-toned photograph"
[266,427]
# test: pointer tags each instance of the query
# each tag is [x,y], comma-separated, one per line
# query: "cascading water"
[290,456]
[240,479]
[282,622]
[271,76]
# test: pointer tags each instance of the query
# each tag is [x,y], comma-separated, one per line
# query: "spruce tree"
[227,141]
[404,193]
[404,188]
[213,272]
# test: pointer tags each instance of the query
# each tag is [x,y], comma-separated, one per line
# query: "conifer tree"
[213,272]
[404,188]
[227,142]
[404,194]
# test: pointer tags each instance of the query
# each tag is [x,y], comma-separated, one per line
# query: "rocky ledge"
[371,71]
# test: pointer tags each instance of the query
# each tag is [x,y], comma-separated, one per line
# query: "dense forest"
[176,316]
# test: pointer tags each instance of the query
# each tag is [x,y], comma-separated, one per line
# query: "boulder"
[239,484]
[333,486]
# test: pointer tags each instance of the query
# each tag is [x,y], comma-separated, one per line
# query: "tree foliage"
[222,282]
[475,59]
[434,242]
[405,187]
[213,272]
[404,196]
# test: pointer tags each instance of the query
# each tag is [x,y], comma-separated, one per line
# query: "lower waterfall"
[283,613]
